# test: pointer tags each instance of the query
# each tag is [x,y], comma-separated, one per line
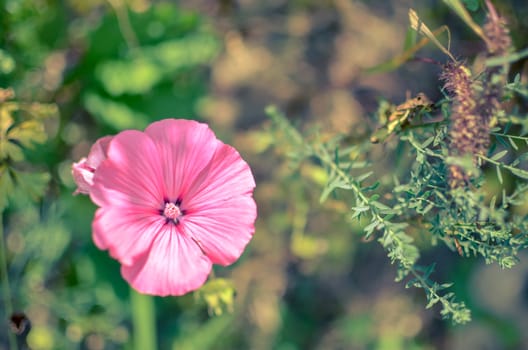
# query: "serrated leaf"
[28,133]
[33,184]
[9,149]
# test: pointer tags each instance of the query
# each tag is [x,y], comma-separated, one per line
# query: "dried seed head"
[496,31]
[457,78]
[469,130]
[457,177]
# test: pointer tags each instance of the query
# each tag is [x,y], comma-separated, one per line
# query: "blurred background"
[307,280]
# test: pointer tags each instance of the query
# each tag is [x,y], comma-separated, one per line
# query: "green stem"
[143,321]
[123,21]
[5,285]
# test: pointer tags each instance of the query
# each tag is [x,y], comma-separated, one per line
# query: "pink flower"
[173,200]
[83,171]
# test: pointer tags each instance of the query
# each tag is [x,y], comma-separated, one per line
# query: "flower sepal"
[219,296]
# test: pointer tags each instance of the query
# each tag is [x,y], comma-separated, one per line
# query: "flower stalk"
[143,320]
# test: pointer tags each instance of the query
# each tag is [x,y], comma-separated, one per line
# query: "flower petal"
[98,151]
[126,234]
[175,265]
[83,176]
[227,176]
[223,231]
[185,147]
[131,174]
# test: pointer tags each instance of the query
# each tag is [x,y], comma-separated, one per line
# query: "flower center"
[172,212]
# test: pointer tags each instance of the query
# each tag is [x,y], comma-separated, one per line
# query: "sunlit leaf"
[28,133]
[118,115]
[134,77]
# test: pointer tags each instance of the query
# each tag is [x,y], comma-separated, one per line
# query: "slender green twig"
[460,314]
[524,138]
[394,240]
[5,285]
[516,171]
[323,155]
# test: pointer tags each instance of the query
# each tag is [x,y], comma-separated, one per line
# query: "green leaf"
[6,187]
[499,155]
[33,184]
[370,227]
[358,211]
[364,176]
[115,114]
[120,77]
[499,174]
[9,149]
[28,133]
[518,172]
[410,39]
[460,10]
[513,144]
[499,61]
[380,206]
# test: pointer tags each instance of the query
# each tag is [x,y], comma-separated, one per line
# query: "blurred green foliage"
[76,54]
[82,69]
